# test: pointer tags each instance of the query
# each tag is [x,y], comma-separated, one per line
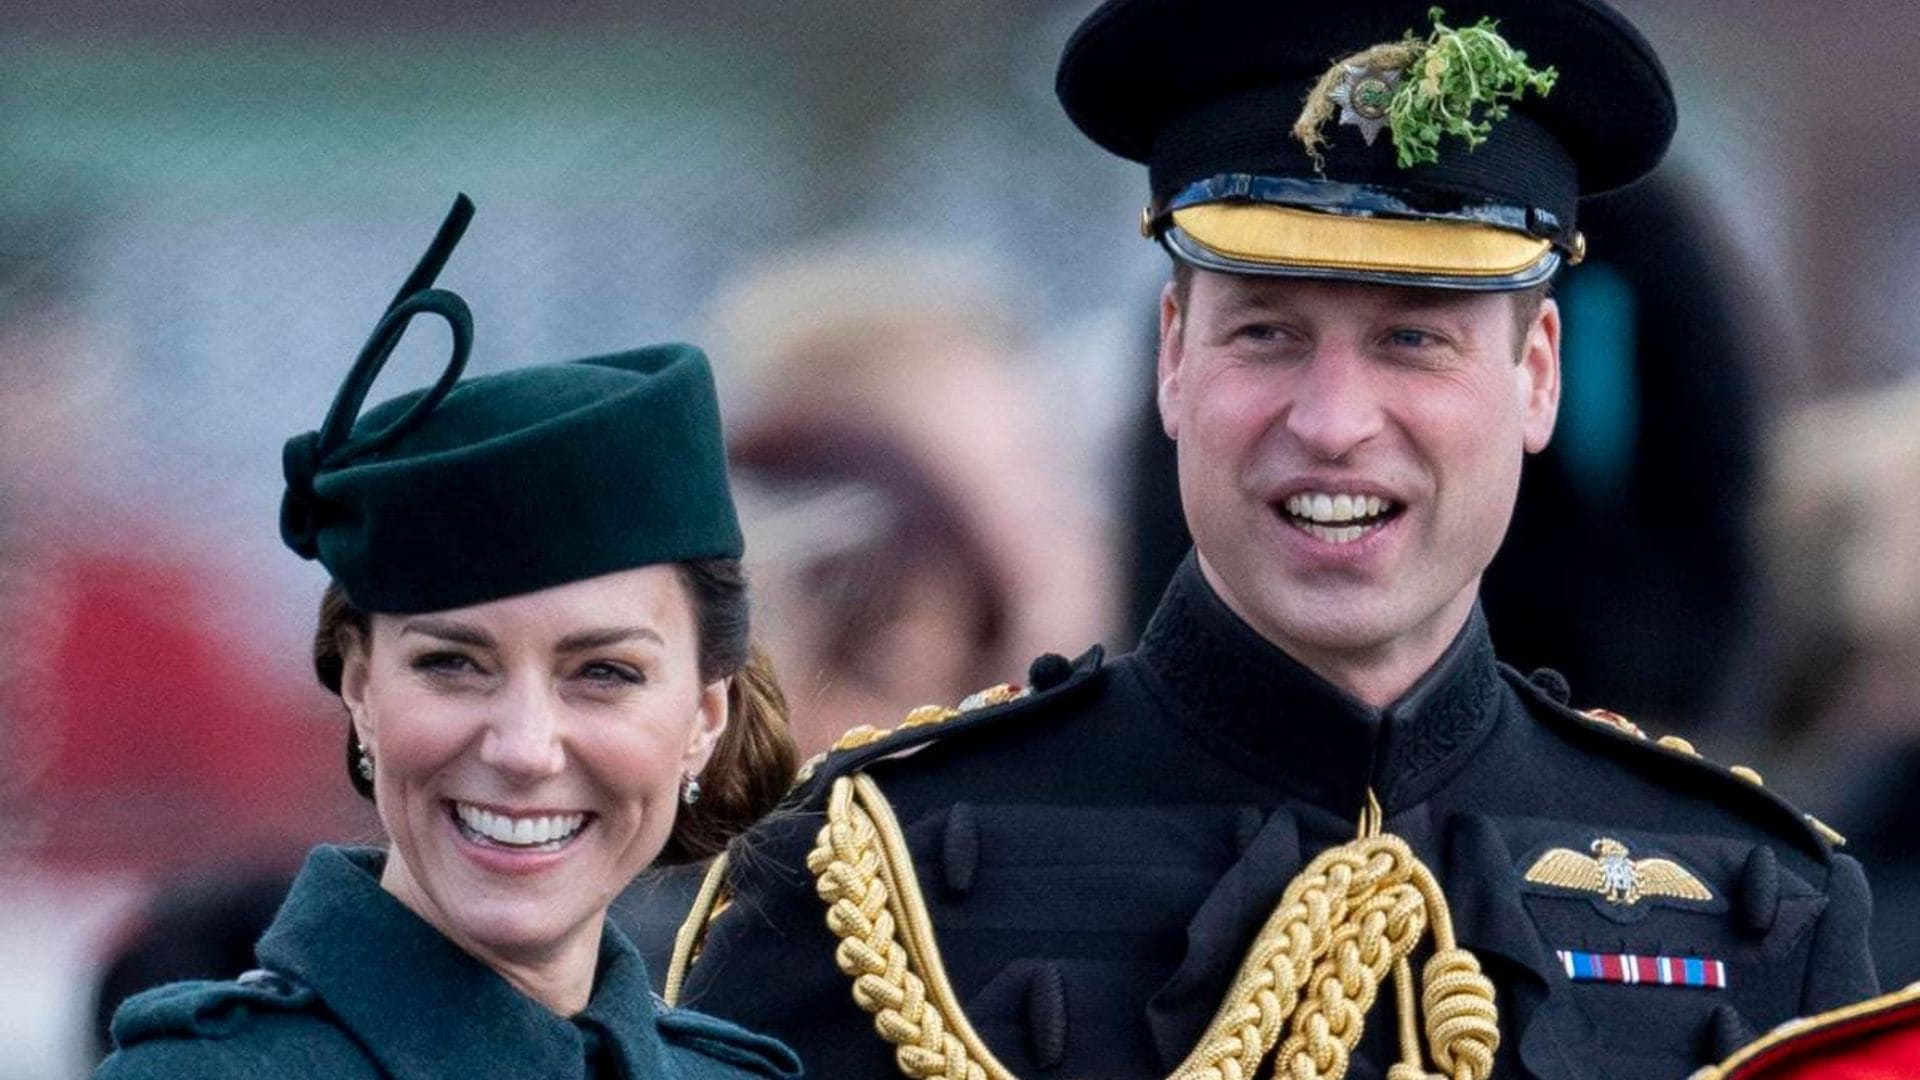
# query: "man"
[1310,826]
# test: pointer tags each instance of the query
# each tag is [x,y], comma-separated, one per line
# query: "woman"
[538,628]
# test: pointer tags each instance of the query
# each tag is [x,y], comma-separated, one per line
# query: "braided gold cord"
[862,872]
[708,903]
[1353,914]
[1327,1025]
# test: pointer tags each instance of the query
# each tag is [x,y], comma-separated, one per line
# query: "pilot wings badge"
[1614,877]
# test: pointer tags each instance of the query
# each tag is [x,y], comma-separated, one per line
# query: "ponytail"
[751,769]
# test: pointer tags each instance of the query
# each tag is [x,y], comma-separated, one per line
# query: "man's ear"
[1167,364]
[1540,377]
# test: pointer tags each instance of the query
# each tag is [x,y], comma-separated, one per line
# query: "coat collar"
[1270,716]
[421,1006]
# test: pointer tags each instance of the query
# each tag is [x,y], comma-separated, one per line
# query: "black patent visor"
[1361,200]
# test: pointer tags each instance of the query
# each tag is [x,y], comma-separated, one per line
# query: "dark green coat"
[1096,859]
[354,984]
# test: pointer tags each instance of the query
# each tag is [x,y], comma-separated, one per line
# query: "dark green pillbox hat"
[472,491]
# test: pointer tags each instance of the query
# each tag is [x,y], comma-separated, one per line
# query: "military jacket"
[1097,857]
[353,984]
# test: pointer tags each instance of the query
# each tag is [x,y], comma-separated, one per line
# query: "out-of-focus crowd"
[916,532]
[920,523]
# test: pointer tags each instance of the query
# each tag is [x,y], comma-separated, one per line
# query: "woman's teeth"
[1337,519]
[545,831]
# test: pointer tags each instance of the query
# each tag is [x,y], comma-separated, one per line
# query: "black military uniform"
[1096,857]
[1204,859]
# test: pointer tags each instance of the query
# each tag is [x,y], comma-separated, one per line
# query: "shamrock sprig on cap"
[1455,81]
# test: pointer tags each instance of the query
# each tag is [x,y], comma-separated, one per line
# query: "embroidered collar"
[1276,720]
[423,1007]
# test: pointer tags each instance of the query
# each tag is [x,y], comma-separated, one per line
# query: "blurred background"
[932,316]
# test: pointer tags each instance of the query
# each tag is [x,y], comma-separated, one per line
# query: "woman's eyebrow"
[598,639]
[446,629]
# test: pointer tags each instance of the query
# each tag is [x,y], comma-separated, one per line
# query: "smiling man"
[1311,827]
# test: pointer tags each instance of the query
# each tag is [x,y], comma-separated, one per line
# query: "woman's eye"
[445,664]
[612,674]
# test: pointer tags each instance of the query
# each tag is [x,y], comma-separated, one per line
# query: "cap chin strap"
[1190,251]
[1356,911]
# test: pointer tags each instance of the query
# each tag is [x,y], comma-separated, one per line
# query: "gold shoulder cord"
[708,903]
[1315,969]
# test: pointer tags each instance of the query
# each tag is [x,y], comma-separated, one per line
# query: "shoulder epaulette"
[1052,678]
[205,1009]
[1624,732]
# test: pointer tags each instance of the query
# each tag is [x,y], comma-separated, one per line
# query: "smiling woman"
[538,628]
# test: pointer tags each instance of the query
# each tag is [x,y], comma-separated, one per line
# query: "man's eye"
[609,673]
[1408,338]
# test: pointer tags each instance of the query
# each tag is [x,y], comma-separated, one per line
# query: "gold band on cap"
[1284,236]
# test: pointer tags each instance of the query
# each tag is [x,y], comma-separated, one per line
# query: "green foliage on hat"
[1455,81]
[1460,85]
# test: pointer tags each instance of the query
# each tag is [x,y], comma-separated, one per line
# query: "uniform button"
[960,849]
[1759,894]
[1047,671]
[1729,1032]
[1047,1016]
[1551,683]
[1675,742]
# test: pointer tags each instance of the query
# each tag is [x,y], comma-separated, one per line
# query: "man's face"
[1349,456]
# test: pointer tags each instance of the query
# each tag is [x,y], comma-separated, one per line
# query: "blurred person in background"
[138,714]
[1630,563]
[873,594]
[927,346]
[200,926]
[538,627]
[1209,857]
[1841,520]
[875,590]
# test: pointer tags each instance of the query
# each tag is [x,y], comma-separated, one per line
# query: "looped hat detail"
[470,491]
[305,454]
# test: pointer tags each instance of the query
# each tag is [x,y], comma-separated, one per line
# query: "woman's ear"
[355,661]
[709,723]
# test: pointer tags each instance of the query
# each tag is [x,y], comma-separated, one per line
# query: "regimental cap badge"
[1455,81]
[1364,95]
[1614,876]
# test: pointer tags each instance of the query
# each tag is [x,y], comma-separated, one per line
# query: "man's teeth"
[1320,515]
[522,831]
[1323,508]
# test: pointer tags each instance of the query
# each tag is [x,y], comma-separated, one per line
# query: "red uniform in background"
[1878,1039]
[142,729]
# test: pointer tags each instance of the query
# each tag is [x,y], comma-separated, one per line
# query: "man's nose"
[1335,407]
[523,735]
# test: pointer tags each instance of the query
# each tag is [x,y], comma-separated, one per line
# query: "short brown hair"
[1526,302]
[752,765]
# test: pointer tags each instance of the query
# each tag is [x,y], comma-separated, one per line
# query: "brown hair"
[752,765]
[1526,303]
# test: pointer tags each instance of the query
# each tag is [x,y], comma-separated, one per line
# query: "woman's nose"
[523,734]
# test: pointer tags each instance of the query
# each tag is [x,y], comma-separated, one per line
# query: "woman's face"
[528,753]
